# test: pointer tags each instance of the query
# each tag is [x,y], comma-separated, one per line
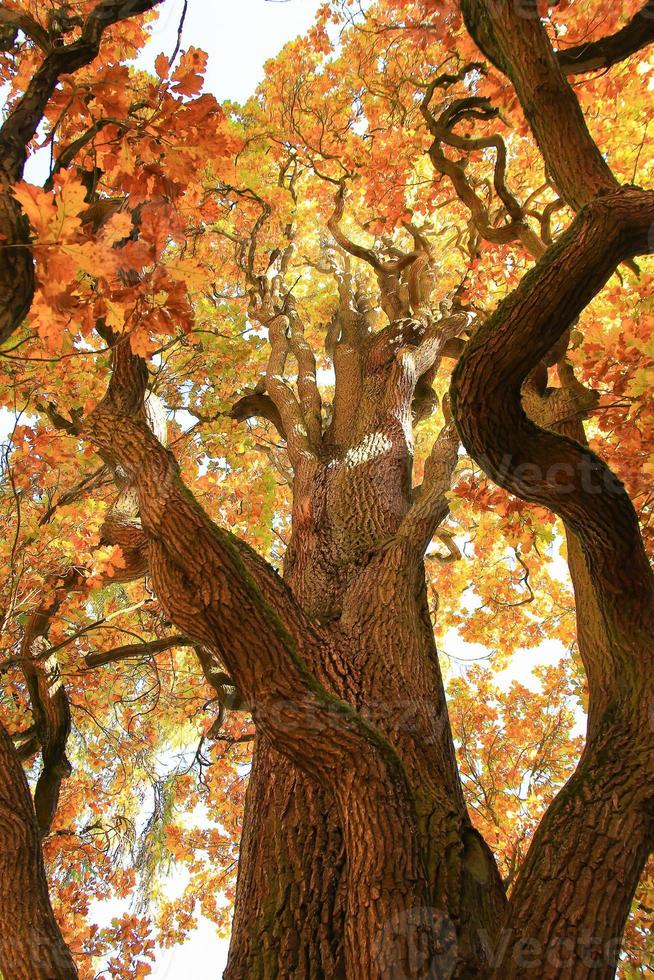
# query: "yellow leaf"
[37,205]
[118,227]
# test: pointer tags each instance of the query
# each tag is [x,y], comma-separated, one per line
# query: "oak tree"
[302,389]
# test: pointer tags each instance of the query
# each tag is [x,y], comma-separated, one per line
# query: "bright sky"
[239,36]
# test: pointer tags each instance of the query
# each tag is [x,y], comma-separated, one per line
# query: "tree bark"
[573,893]
[364,809]
[358,855]
[211,585]
[31,944]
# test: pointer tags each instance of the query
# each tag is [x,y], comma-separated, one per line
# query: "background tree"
[315,264]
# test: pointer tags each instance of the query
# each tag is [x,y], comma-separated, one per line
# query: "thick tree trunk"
[292,879]
[349,565]
[290,910]
[31,945]
[212,585]
[359,837]
[358,856]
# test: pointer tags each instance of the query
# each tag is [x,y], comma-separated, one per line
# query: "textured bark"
[31,945]
[354,563]
[213,589]
[610,50]
[573,893]
[579,877]
[388,669]
[358,856]
[574,890]
[356,832]
[291,906]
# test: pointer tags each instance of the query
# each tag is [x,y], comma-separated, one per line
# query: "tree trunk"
[348,564]
[31,945]
[573,894]
[359,858]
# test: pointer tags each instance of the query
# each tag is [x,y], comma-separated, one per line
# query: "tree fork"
[203,589]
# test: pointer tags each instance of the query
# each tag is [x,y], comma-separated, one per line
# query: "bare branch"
[136,651]
[516,228]
[431,507]
[608,51]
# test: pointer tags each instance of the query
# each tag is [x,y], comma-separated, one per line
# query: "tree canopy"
[405,162]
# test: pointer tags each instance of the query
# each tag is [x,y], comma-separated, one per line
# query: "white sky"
[239,36]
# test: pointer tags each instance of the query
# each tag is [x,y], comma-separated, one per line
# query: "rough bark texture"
[573,893]
[359,856]
[386,666]
[31,945]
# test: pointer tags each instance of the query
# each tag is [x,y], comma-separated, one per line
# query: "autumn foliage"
[179,228]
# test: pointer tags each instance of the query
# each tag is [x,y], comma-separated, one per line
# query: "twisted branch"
[516,228]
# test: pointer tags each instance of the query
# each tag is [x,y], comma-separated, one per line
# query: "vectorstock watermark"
[587,475]
[537,10]
[421,718]
[564,953]
[403,947]
[402,941]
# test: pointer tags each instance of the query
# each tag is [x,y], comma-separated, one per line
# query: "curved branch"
[431,506]
[49,701]
[307,385]
[258,405]
[516,228]
[22,21]
[352,248]
[608,802]
[494,365]
[136,651]
[609,50]
[284,398]
[393,303]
